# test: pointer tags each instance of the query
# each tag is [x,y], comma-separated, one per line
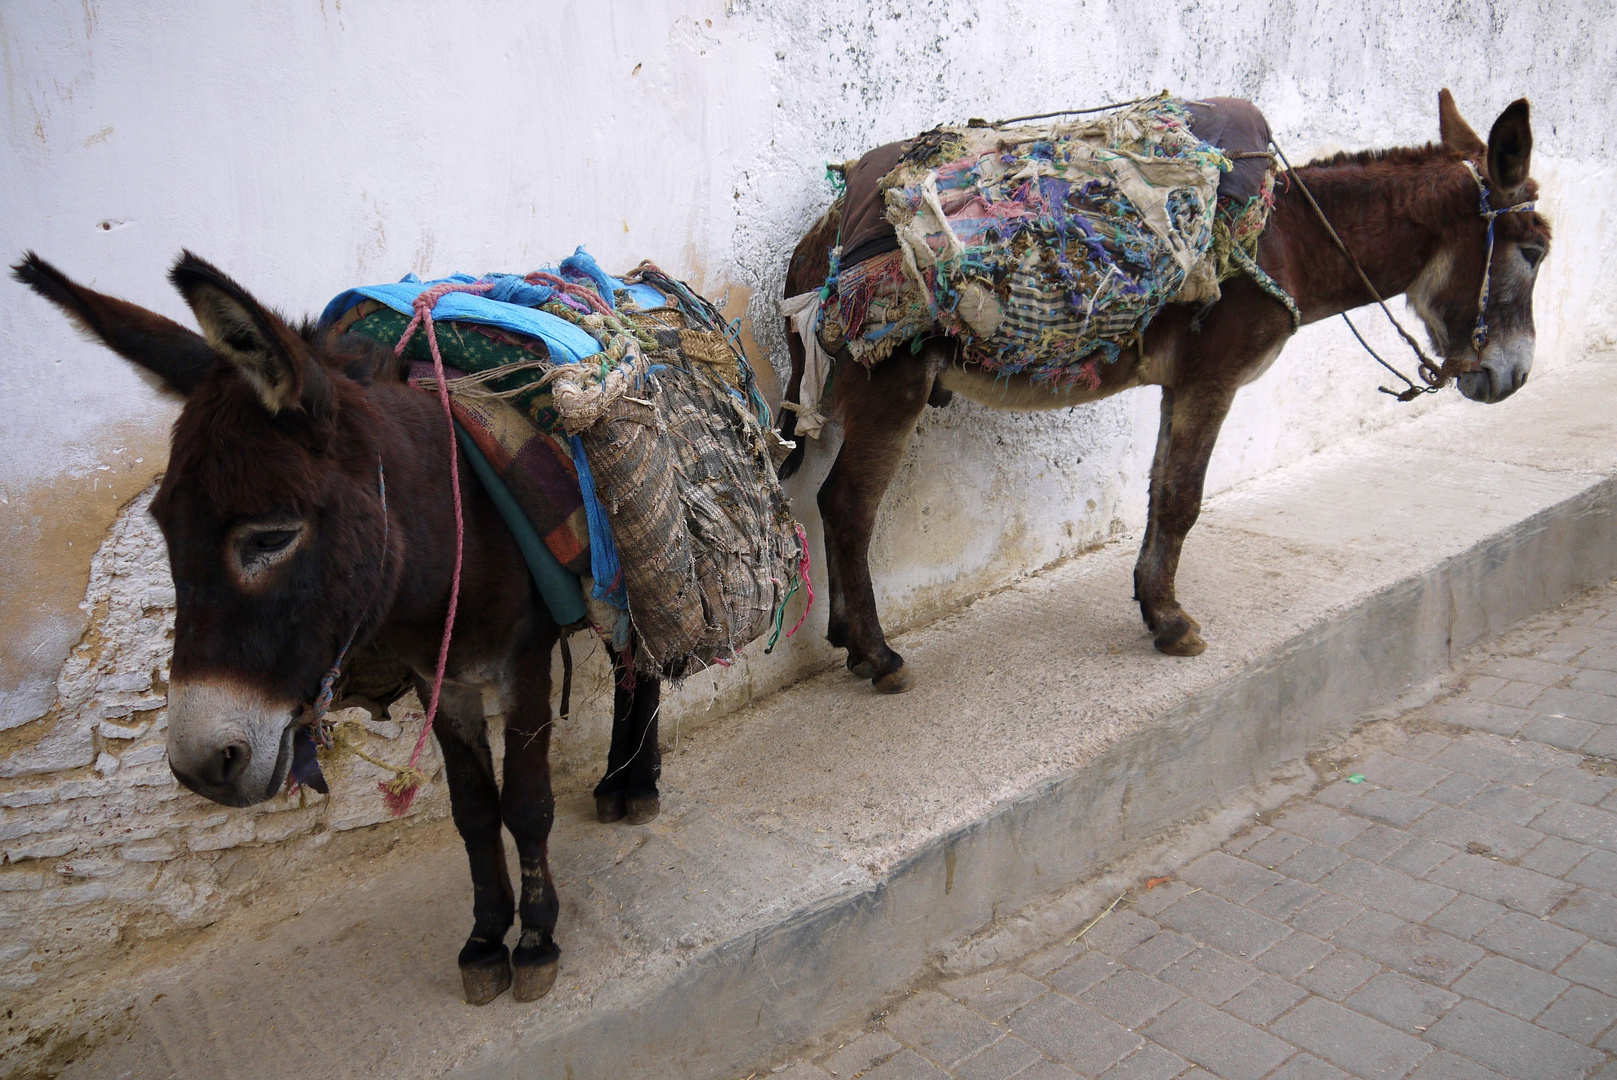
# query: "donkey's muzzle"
[227,743]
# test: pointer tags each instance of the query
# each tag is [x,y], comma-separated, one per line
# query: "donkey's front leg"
[474,800]
[1191,417]
[879,409]
[528,806]
[634,761]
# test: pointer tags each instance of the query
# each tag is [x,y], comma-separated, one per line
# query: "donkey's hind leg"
[528,806]
[1191,418]
[633,762]
[474,801]
[879,409]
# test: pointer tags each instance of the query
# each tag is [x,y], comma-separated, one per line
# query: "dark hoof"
[536,972]
[486,978]
[894,682]
[862,668]
[641,809]
[610,808]
[1179,638]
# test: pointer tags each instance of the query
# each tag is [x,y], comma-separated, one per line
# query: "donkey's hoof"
[862,668]
[534,980]
[484,980]
[610,808]
[641,809]
[894,682]
[1179,638]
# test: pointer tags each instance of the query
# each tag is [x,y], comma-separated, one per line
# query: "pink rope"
[571,288]
[402,791]
[803,576]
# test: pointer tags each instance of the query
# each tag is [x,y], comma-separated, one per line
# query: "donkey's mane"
[1395,155]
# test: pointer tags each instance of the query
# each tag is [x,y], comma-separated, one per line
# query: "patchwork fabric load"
[619,429]
[1047,248]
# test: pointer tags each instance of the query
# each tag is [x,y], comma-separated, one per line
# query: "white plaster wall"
[307,146]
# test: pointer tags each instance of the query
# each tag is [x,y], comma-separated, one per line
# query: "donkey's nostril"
[225,767]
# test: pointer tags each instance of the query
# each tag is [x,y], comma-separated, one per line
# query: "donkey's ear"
[1455,132]
[178,357]
[1510,150]
[256,341]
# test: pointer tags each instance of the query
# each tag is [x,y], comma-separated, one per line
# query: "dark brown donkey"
[283,544]
[1410,218]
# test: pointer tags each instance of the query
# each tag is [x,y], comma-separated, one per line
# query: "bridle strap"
[1479,336]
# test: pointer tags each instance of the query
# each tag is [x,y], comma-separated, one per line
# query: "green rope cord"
[1268,284]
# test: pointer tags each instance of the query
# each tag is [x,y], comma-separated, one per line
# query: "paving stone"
[1151,901]
[1340,794]
[1598,871]
[1521,669]
[1593,965]
[1326,916]
[1580,1013]
[1284,900]
[1363,1046]
[1376,843]
[1519,694]
[1384,889]
[1157,953]
[1321,823]
[1603,745]
[1217,1041]
[1578,785]
[1420,856]
[1480,716]
[800,1070]
[1239,845]
[1480,758]
[1465,916]
[1407,1004]
[944,1031]
[1082,973]
[1502,883]
[1398,771]
[906,1065]
[1130,998]
[1463,829]
[1561,731]
[1338,975]
[1220,923]
[1409,947]
[1213,976]
[1554,856]
[860,1054]
[1425,745]
[1119,932]
[1307,1067]
[1513,805]
[1597,659]
[1150,1062]
[1589,912]
[1511,987]
[1074,1034]
[1229,877]
[1264,1000]
[996,997]
[1596,681]
[1391,807]
[1444,1065]
[1046,960]
[1294,956]
[1558,650]
[1275,849]
[1531,940]
[1045,1070]
[1001,1061]
[1312,863]
[1511,1046]
[1581,824]
[1458,788]
[1597,708]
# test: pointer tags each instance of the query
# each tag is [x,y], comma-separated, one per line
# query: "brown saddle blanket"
[1232,124]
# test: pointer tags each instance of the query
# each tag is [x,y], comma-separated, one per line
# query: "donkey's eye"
[1533,255]
[266,543]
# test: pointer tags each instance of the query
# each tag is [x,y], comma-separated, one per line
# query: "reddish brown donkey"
[1410,218]
[283,544]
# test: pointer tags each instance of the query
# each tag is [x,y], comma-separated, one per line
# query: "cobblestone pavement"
[1443,908]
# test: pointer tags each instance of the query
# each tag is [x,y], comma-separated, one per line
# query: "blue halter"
[1479,336]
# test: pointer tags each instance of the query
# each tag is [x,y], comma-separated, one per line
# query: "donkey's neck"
[1391,210]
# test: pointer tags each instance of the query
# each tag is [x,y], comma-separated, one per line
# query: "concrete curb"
[741,1001]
